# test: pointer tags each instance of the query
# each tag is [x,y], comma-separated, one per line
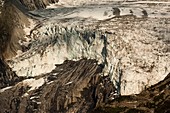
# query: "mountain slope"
[82,89]
[155,99]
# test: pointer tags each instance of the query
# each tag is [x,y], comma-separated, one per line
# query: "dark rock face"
[37,4]
[72,87]
[7,76]
[155,99]
[12,22]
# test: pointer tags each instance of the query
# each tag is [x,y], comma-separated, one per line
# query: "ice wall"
[132,45]
[131,56]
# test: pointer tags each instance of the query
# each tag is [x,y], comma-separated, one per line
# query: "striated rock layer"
[36,4]
[72,87]
[7,76]
[155,99]
[12,23]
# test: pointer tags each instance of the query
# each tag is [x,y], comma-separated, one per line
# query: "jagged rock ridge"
[81,90]
[7,76]
[36,4]
[155,99]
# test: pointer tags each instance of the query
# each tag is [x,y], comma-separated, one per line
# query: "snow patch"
[50,82]
[34,97]
[70,3]
[99,13]
[55,74]
[69,83]
[26,94]
[33,83]
[4,89]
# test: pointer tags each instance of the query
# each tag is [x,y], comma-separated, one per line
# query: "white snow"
[104,11]
[70,3]
[148,2]
[133,75]
[4,89]
[26,94]
[69,83]
[38,102]
[33,83]
[55,74]
[50,82]
[51,6]
[96,13]
[27,29]
[34,97]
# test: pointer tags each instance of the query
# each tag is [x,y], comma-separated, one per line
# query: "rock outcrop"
[155,99]
[36,4]
[7,76]
[72,87]
[12,23]
[13,20]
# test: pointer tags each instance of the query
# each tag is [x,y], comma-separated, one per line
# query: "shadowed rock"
[7,76]
[152,100]
[36,4]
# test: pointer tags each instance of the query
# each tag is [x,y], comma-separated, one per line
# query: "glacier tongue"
[134,51]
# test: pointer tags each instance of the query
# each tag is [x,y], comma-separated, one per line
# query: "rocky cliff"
[152,100]
[12,24]
[36,4]
[70,87]
[7,76]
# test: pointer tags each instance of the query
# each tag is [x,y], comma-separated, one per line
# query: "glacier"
[128,38]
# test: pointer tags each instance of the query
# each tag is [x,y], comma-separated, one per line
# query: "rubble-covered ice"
[129,38]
